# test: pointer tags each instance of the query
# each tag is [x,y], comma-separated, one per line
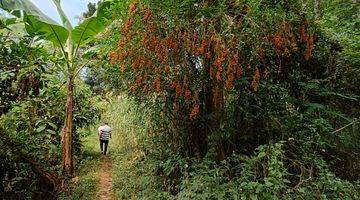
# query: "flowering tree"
[194,61]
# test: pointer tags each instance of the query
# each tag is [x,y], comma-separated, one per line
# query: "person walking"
[104,133]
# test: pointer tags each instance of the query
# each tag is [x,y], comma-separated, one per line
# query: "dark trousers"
[103,146]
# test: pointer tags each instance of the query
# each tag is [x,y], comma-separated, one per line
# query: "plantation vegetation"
[207,99]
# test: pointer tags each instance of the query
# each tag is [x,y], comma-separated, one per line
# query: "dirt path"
[104,187]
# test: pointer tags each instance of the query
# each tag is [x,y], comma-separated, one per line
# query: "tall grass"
[128,122]
[131,173]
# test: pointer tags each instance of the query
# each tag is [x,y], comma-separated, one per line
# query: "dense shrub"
[255,98]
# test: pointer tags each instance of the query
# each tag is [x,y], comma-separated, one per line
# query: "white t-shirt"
[104,132]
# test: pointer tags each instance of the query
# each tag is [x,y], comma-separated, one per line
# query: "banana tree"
[68,40]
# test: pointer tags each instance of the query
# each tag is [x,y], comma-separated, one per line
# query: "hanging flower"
[239,72]
[303,36]
[230,81]
[113,56]
[178,91]
[309,47]
[157,84]
[256,79]
[132,8]
[167,69]
[138,80]
[187,94]
[194,111]
[147,15]
[278,41]
[219,77]
[261,52]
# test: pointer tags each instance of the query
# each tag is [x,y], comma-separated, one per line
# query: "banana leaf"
[90,27]
[36,22]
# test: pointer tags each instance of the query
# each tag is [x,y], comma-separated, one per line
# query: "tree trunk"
[66,140]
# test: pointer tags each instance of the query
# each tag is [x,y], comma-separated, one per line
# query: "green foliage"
[262,176]
[93,25]
[69,40]
[28,83]
[294,137]
[91,9]
[289,132]
[20,68]
[6,22]
[340,22]
[144,171]
[37,23]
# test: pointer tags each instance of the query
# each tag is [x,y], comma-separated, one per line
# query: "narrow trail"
[104,186]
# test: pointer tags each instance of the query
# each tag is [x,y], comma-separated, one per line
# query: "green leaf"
[4,23]
[350,97]
[65,20]
[38,122]
[10,21]
[90,27]
[51,131]
[253,197]
[93,51]
[40,129]
[52,125]
[314,106]
[36,22]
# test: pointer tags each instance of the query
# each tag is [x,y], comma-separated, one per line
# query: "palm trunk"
[66,140]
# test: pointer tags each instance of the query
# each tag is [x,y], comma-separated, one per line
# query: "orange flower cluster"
[285,40]
[147,15]
[308,39]
[194,111]
[132,8]
[309,47]
[180,64]
[157,83]
[256,78]
[233,71]
[302,33]
[187,95]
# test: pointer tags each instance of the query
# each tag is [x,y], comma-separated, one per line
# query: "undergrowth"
[144,170]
